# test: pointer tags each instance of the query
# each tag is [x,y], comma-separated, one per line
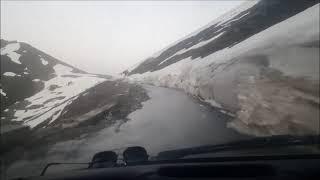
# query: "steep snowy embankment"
[269,81]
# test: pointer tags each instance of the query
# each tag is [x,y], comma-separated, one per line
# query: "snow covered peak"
[36,87]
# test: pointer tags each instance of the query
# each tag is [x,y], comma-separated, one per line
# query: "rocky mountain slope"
[42,96]
[35,86]
[259,63]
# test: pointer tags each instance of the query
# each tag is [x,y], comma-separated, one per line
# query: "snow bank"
[244,78]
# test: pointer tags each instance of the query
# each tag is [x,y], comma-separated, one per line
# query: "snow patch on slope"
[200,44]
[233,20]
[36,80]
[11,74]
[57,93]
[9,50]
[225,18]
[230,15]
[44,62]
[2,92]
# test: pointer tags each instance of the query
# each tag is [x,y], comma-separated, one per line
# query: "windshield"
[181,79]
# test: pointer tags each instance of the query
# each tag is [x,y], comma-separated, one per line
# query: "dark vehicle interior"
[135,163]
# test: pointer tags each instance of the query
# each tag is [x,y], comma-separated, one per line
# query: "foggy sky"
[105,36]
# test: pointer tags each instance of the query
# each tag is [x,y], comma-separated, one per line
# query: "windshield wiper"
[263,142]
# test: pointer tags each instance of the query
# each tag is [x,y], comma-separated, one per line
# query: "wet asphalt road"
[170,119]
